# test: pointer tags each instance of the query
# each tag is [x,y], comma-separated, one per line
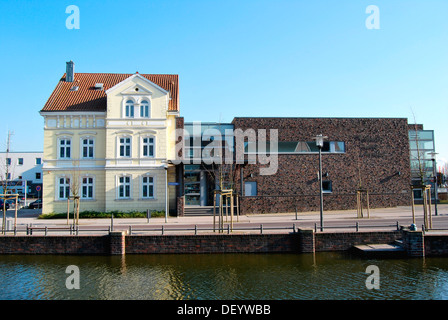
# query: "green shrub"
[100,215]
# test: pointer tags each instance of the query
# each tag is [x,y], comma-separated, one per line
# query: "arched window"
[129,109]
[144,109]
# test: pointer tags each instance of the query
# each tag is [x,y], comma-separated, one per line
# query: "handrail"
[130,229]
[357,226]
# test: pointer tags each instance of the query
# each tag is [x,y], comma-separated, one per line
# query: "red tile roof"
[87,98]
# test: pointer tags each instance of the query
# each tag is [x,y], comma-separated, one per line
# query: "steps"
[202,211]
[198,211]
[381,250]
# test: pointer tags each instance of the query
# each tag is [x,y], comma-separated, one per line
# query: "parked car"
[1,205]
[36,204]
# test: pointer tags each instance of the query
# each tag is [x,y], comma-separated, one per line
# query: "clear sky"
[289,58]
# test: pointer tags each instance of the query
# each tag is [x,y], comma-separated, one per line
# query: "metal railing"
[163,230]
[357,226]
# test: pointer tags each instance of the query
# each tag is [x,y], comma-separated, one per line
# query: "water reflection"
[238,276]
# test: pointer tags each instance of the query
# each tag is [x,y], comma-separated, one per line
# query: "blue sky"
[235,58]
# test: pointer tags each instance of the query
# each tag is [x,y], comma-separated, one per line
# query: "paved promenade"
[333,220]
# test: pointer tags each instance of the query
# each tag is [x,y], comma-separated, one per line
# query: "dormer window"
[144,109]
[129,109]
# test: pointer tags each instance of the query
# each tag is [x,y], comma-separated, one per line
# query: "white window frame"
[87,185]
[65,146]
[119,145]
[88,146]
[123,184]
[143,106]
[129,108]
[148,144]
[65,185]
[148,184]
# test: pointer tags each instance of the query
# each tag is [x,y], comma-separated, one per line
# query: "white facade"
[19,166]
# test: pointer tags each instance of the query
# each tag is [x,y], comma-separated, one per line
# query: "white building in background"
[18,167]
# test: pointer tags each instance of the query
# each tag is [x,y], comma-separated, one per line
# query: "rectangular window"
[64,188]
[20,161]
[87,188]
[147,187]
[129,111]
[327,186]
[64,148]
[87,148]
[38,176]
[144,111]
[38,160]
[296,147]
[250,188]
[125,147]
[124,187]
[148,147]
[8,161]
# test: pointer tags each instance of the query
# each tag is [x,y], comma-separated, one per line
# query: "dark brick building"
[372,153]
[369,152]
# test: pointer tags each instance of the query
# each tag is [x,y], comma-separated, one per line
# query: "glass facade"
[198,181]
[421,144]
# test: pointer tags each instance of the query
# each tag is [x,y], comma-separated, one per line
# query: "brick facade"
[376,151]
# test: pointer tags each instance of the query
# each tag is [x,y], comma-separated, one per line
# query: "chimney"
[70,71]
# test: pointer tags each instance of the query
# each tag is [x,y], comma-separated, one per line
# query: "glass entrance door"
[195,185]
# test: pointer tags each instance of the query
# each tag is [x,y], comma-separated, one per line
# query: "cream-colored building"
[108,139]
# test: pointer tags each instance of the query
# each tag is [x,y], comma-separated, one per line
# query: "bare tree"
[75,186]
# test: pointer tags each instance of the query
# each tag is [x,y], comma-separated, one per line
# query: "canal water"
[221,276]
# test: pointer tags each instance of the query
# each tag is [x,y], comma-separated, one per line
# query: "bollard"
[130,230]
[46,230]
[163,231]
[357,226]
[148,215]
[261,229]
[195,229]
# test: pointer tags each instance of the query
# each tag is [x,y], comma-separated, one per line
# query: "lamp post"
[433,158]
[320,143]
[165,166]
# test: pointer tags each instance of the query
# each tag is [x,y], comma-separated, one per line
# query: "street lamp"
[433,158]
[320,144]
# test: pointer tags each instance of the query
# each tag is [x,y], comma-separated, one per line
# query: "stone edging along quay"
[415,243]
